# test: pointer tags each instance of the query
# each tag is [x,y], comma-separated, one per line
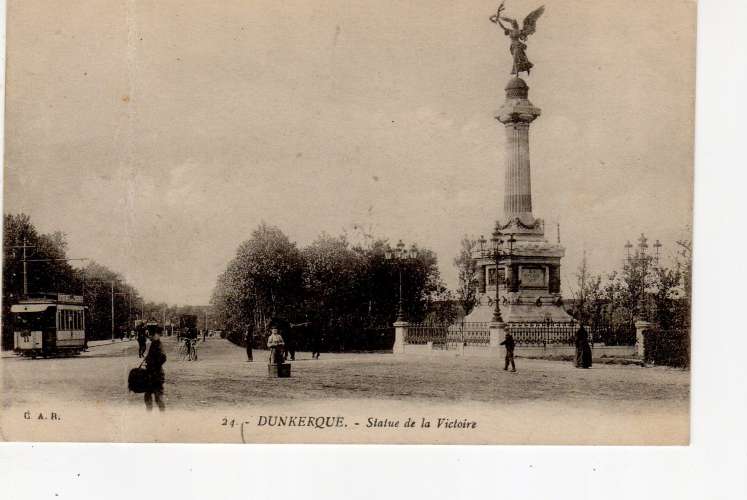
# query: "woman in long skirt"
[583,349]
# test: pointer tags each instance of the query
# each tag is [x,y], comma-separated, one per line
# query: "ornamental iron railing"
[529,333]
[449,336]
[543,333]
[419,333]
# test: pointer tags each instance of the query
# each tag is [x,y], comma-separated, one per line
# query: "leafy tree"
[685,266]
[344,290]
[467,274]
[262,281]
[98,282]
[588,296]
[666,292]
[335,287]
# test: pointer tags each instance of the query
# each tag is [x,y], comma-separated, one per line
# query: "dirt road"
[545,401]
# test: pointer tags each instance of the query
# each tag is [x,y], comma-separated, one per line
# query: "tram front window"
[33,320]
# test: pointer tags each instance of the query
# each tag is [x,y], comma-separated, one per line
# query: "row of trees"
[49,271]
[344,290]
[643,289]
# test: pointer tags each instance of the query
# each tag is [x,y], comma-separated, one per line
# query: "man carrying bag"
[154,362]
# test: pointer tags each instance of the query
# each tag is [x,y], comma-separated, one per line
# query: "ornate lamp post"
[644,262]
[498,254]
[657,247]
[399,256]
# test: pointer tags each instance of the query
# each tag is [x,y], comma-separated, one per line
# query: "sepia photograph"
[426,222]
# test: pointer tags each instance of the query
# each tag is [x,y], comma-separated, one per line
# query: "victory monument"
[517,266]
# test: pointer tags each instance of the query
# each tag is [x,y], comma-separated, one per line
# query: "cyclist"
[190,341]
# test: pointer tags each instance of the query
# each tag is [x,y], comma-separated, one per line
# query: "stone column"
[640,328]
[517,113]
[517,199]
[400,331]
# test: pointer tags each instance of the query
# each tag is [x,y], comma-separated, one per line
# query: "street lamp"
[643,244]
[657,247]
[498,254]
[628,246]
[399,256]
[482,242]
[641,261]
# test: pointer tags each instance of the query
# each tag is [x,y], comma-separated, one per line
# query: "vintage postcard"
[348,221]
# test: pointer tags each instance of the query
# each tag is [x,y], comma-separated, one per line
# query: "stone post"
[400,331]
[640,329]
[497,334]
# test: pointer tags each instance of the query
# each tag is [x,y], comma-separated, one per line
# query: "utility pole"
[25,271]
[112,284]
[24,260]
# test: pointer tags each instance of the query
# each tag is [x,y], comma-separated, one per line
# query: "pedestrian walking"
[510,344]
[249,339]
[141,340]
[583,349]
[154,362]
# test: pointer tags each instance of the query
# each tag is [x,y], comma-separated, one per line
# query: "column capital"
[513,114]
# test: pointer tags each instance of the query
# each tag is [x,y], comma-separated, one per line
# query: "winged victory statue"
[518,36]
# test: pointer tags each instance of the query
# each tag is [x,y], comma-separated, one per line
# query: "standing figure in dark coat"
[141,340]
[316,343]
[290,343]
[154,362]
[583,349]
[249,339]
[510,344]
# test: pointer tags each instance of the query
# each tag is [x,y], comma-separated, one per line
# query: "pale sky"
[159,134]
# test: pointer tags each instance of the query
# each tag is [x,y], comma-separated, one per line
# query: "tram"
[49,325]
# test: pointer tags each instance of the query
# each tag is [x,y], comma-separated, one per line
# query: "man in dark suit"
[141,337]
[154,362]
[510,344]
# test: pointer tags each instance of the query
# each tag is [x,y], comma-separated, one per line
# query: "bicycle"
[188,350]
